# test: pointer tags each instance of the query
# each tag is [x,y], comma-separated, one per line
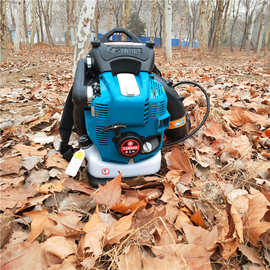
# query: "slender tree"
[19,33]
[266,40]
[262,28]
[218,25]
[46,11]
[34,22]
[40,21]
[68,31]
[25,26]
[97,17]
[235,13]
[153,18]
[83,36]
[168,29]
[3,32]
[203,41]
[225,21]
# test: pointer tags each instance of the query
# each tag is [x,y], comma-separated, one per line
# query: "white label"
[128,84]
[75,163]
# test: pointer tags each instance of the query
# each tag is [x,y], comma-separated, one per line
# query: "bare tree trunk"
[168,29]
[225,21]
[46,17]
[235,17]
[218,25]
[126,5]
[262,28]
[40,21]
[203,41]
[12,15]
[34,22]
[83,37]
[97,17]
[19,33]
[110,21]
[266,41]
[25,24]
[3,32]
[153,16]
[68,31]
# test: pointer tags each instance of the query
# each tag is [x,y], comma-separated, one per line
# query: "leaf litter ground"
[208,208]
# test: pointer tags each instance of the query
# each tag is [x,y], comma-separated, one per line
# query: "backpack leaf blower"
[123,109]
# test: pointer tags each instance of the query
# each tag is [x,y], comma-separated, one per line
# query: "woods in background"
[213,23]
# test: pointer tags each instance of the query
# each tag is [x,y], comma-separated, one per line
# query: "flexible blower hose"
[204,118]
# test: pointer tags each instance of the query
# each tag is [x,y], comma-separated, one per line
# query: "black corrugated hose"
[204,118]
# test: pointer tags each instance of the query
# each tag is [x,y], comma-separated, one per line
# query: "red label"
[130,147]
[105,171]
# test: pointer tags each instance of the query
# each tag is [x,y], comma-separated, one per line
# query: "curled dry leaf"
[254,224]
[110,194]
[39,219]
[93,241]
[71,184]
[54,186]
[56,161]
[239,116]
[23,256]
[201,237]
[131,259]
[250,253]
[120,229]
[10,165]
[26,150]
[15,198]
[57,248]
[180,161]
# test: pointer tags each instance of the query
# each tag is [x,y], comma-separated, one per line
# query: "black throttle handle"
[106,37]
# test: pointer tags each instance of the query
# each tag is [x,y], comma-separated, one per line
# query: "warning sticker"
[177,123]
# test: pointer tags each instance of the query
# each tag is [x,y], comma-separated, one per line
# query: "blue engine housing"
[145,115]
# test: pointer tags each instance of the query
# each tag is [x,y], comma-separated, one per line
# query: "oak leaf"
[110,194]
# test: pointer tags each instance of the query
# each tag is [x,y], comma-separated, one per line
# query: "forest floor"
[208,208]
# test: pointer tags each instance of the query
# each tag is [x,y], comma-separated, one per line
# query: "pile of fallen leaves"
[208,209]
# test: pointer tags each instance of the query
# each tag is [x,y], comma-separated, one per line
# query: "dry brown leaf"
[54,186]
[239,147]
[26,150]
[120,229]
[131,259]
[254,225]
[181,256]
[214,130]
[239,116]
[66,223]
[8,181]
[44,119]
[56,161]
[238,223]
[110,194]
[201,237]
[229,247]
[71,184]
[169,194]
[250,253]
[15,197]
[10,165]
[181,218]
[57,248]
[23,256]
[197,218]
[180,161]
[39,219]
[93,242]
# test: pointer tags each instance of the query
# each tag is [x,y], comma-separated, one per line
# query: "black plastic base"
[94,181]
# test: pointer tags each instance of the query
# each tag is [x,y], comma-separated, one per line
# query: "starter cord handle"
[204,118]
